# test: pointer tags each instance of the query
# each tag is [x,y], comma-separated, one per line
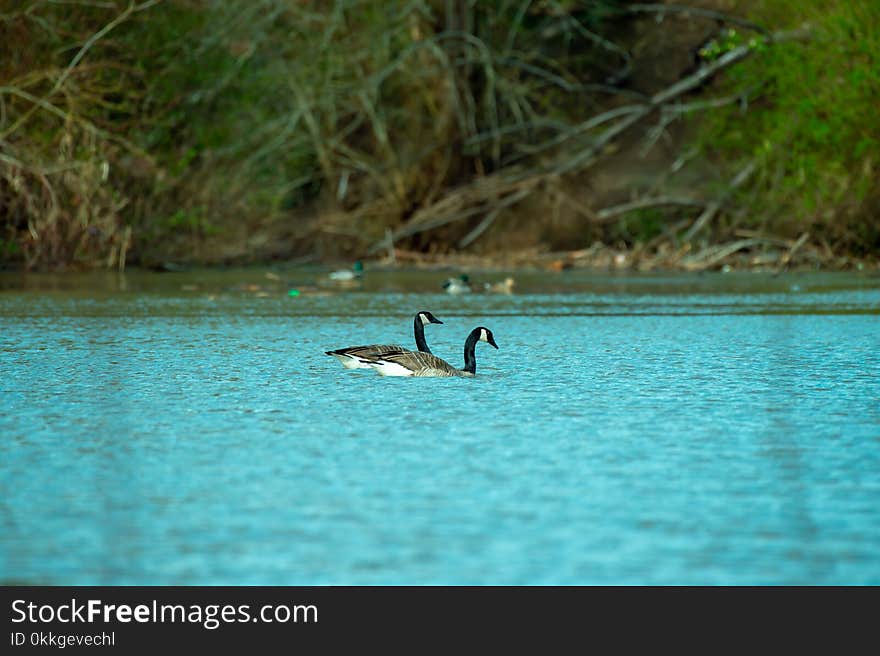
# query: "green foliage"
[168,127]
[246,112]
[640,226]
[727,40]
[814,129]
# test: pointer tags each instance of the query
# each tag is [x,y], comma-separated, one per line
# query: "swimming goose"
[460,285]
[349,356]
[409,363]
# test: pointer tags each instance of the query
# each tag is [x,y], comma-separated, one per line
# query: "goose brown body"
[427,365]
[353,357]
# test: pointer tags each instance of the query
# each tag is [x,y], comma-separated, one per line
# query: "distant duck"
[503,287]
[409,363]
[460,285]
[351,356]
[356,272]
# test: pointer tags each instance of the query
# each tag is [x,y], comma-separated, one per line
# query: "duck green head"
[358,267]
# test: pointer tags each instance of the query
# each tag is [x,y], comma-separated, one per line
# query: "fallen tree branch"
[484,194]
[712,255]
[661,98]
[463,203]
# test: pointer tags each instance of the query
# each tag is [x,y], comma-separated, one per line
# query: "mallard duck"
[503,287]
[409,363]
[351,356]
[343,275]
[460,285]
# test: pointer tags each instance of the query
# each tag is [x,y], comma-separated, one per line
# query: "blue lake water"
[187,430]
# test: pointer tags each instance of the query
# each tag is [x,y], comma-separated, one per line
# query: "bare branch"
[624,55]
[715,254]
[725,60]
[685,10]
[713,103]
[616,210]
[788,256]
[92,40]
[490,218]
[713,207]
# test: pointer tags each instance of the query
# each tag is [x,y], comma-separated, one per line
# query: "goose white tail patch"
[386,368]
[351,363]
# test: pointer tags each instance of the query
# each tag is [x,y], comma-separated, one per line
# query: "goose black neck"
[419,332]
[470,345]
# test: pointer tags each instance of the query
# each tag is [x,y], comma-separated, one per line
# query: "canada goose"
[460,285]
[343,275]
[349,357]
[409,363]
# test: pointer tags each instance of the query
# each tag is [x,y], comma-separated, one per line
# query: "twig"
[713,207]
[625,70]
[730,57]
[389,237]
[677,89]
[67,116]
[314,130]
[461,204]
[616,210]
[708,257]
[694,11]
[123,248]
[603,140]
[585,126]
[714,103]
[787,257]
[577,206]
[702,74]
[671,112]
[490,218]
[132,8]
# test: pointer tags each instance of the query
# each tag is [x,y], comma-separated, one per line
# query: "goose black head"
[427,318]
[486,336]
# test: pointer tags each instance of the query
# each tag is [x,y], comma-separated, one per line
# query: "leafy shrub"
[814,130]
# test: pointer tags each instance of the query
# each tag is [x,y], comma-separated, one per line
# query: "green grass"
[814,130]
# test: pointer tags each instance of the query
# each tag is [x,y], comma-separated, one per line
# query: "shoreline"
[601,259]
[747,254]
